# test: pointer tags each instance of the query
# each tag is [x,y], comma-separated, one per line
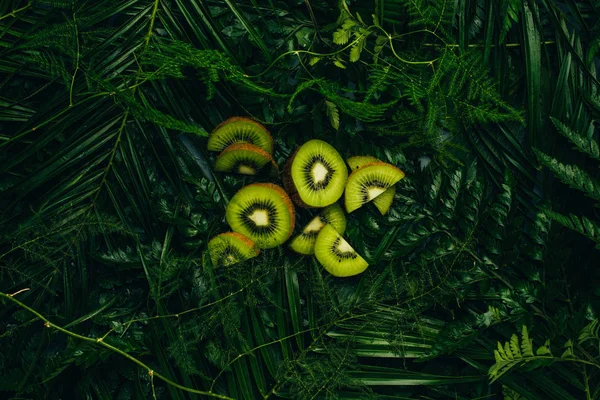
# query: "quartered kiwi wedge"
[315,175]
[336,255]
[383,202]
[263,212]
[304,243]
[243,158]
[240,130]
[368,182]
[231,248]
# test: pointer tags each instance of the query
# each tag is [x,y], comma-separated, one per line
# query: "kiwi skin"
[268,148]
[288,182]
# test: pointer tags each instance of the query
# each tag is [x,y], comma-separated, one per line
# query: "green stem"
[100,342]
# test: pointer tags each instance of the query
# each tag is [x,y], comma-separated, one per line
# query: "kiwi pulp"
[304,243]
[240,130]
[316,174]
[263,212]
[336,255]
[230,248]
[368,182]
[243,158]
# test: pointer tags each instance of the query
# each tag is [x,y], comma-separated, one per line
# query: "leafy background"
[484,275]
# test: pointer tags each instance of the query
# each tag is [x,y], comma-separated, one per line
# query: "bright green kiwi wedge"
[384,201]
[304,243]
[231,248]
[368,182]
[359,161]
[336,255]
[240,130]
[315,175]
[243,158]
[263,212]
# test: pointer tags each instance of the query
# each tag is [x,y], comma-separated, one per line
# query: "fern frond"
[586,145]
[571,175]
[583,225]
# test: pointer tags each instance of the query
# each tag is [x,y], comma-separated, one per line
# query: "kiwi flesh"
[230,248]
[243,158]
[263,212]
[304,243]
[336,255]
[240,130]
[384,201]
[368,182]
[315,174]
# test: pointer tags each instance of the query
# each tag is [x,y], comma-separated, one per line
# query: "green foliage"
[108,199]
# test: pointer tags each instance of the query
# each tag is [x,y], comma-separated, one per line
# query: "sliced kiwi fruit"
[383,202]
[240,130]
[243,158]
[304,243]
[336,255]
[368,182]
[263,212]
[230,248]
[315,174]
[359,161]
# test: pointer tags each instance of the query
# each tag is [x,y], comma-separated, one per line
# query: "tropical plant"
[108,199]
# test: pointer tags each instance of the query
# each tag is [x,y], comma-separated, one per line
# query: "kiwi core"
[373,192]
[247,170]
[314,226]
[260,217]
[319,172]
[343,250]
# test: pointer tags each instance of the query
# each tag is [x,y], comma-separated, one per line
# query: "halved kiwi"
[240,130]
[368,182]
[383,202]
[263,212]
[315,174]
[243,158]
[230,248]
[304,243]
[336,255]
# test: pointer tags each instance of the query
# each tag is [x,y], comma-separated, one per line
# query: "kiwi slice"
[304,243]
[383,202]
[243,158]
[359,161]
[240,130]
[315,174]
[368,182]
[336,255]
[230,248]
[263,212]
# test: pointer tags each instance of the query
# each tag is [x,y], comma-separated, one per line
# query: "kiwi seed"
[263,212]
[304,243]
[243,158]
[240,130]
[230,248]
[336,255]
[368,182]
[315,174]
[384,201]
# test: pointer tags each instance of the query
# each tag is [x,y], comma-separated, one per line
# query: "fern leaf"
[582,224]
[333,114]
[571,175]
[544,350]
[526,343]
[583,144]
